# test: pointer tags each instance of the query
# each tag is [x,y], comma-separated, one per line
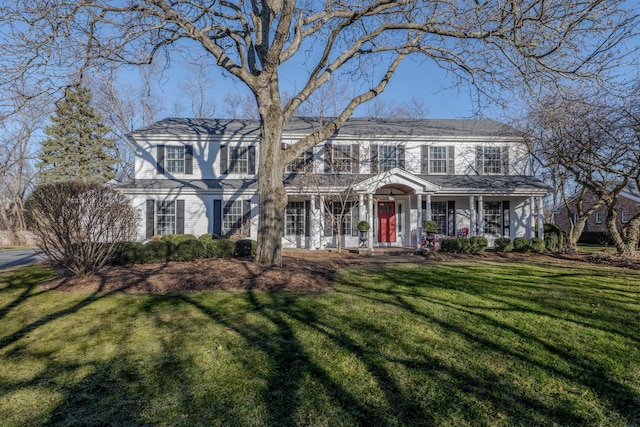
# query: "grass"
[449,344]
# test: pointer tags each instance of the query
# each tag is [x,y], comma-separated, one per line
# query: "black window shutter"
[246,217]
[179,216]
[224,160]
[150,216]
[424,157]
[401,156]
[327,159]
[307,218]
[506,219]
[451,160]
[505,160]
[374,158]
[355,156]
[160,159]
[188,159]
[217,217]
[251,155]
[479,156]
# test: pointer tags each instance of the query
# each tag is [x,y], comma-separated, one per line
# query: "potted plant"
[430,226]
[363,226]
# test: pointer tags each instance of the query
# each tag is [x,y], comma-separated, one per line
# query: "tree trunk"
[627,241]
[271,192]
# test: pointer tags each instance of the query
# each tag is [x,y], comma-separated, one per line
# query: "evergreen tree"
[76,147]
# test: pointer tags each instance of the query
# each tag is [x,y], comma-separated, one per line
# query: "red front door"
[387,222]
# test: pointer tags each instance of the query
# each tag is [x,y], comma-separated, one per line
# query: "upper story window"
[438,160]
[301,164]
[174,159]
[492,160]
[341,158]
[386,157]
[238,160]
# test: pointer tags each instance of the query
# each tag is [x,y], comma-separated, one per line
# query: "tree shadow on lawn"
[403,290]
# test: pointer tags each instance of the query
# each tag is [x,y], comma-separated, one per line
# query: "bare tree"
[512,45]
[588,142]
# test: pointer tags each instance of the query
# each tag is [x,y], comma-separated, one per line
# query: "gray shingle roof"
[354,126]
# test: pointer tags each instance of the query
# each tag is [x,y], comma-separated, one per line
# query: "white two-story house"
[472,177]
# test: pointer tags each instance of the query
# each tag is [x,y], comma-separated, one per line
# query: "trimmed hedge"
[478,244]
[551,241]
[178,238]
[455,245]
[220,248]
[188,250]
[553,237]
[245,247]
[503,244]
[537,244]
[157,251]
[522,244]
[127,253]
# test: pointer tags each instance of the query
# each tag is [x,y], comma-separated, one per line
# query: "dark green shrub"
[522,244]
[450,245]
[157,251]
[550,230]
[551,241]
[503,244]
[464,244]
[177,238]
[478,244]
[127,253]
[221,248]
[455,245]
[595,238]
[245,247]
[537,244]
[188,250]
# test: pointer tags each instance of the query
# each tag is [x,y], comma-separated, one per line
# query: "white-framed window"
[624,217]
[387,157]
[294,217]
[239,160]
[493,218]
[598,218]
[437,160]
[174,159]
[232,217]
[341,158]
[439,215]
[165,217]
[491,160]
[574,219]
[343,215]
[301,164]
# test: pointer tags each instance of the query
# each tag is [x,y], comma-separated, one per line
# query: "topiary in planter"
[363,226]
[430,226]
[537,244]
[502,244]
[478,244]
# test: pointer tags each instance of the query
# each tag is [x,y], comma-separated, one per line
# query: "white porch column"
[361,212]
[321,220]
[419,220]
[532,218]
[480,216]
[313,237]
[370,221]
[428,212]
[540,218]
[472,216]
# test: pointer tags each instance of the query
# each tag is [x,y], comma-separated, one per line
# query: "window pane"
[232,217]
[387,158]
[439,215]
[437,159]
[238,160]
[174,159]
[493,217]
[295,219]
[301,164]
[341,158]
[492,162]
[165,218]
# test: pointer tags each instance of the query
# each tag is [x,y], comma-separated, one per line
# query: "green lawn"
[448,344]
